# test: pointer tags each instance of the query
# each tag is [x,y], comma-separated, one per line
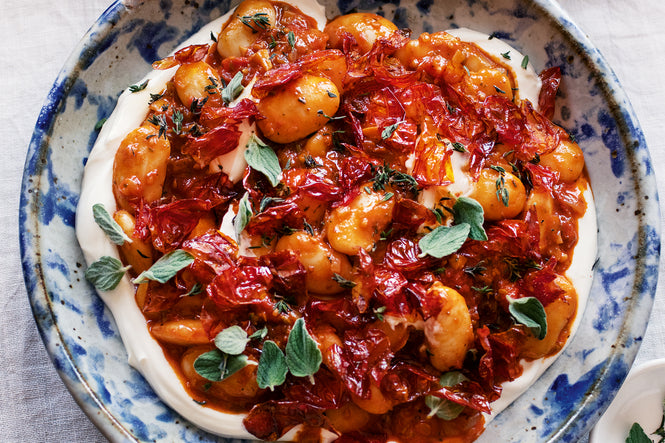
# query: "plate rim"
[34,277]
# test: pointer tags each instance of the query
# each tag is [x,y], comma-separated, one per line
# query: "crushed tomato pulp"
[374,132]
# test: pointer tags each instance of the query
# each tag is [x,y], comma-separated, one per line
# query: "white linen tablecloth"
[36,38]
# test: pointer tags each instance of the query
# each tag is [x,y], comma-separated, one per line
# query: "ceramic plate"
[640,400]
[81,335]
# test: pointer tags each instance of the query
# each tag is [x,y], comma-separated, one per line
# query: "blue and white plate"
[81,335]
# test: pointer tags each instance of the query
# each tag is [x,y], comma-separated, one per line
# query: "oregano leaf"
[444,240]
[389,130]
[232,340]
[110,227]
[442,407]
[452,378]
[637,435]
[467,210]
[233,89]
[106,273]
[242,217]
[530,312]
[272,368]
[215,365]
[260,334]
[302,352]
[262,158]
[166,267]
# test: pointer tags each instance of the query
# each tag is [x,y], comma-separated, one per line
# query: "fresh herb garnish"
[525,62]
[227,359]
[517,268]
[444,240]
[637,435]
[387,196]
[501,190]
[197,105]
[282,307]
[272,368]
[177,122]
[476,270]
[530,312]
[344,283]
[212,87]
[384,175]
[379,312]
[459,147]
[233,89]
[483,290]
[291,38]
[385,234]
[302,353]
[155,97]
[311,163]
[110,227]
[166,267]
[196,289]
[267,201]
[159,120]
[263,159]
[506,55]
[442,407]
[216,365]
[308,228]
[137,88]
[439,214]
[388,131]
[232,340]
[320,112]
[331,94]
[259,334]
[105,274]
[499,90]
[302,358]
[195,131]
[260,19]
[467,210]
[661,429]
[242,217]
[100,123]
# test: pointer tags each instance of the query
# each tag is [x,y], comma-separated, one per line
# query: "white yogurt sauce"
[144,353]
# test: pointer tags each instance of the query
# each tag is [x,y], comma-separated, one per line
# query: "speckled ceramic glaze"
[80,333]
